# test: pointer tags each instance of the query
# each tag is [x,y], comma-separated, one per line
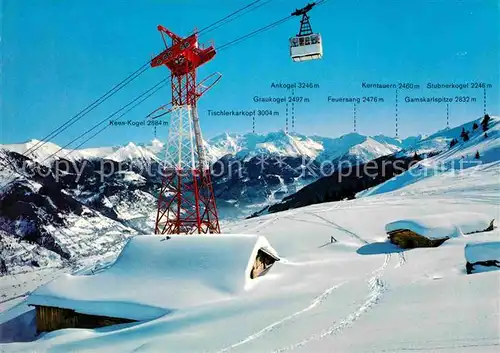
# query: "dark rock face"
[256,179]
[345,183]
[46,196]
[25,211]
[3,267]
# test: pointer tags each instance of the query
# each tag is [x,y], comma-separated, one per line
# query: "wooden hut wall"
[51,318]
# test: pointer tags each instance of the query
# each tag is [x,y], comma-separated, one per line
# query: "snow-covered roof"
[443,225]
[483,250]
[153,276]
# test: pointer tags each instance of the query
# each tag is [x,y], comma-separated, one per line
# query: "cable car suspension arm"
[305,25]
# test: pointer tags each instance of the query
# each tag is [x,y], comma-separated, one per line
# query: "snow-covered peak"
[292,145]
[132,152]
[406,143]
[295,145]
[250,144]
[43,151]
[48,152]
[352,145]
[156,146]
[371,149]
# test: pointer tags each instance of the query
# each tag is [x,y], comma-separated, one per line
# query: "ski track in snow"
[269,221]
[339,227]
[314,303]
[402,259]
[15,297]
[377,287]
[262,224]
[444,348]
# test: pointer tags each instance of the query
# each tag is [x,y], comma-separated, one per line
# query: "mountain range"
[243,146]
[41,215]
[449,150]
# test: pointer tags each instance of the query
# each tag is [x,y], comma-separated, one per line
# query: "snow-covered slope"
[125,200]
[354,293]
[449,159]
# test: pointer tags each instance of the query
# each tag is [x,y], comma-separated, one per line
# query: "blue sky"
[59,56]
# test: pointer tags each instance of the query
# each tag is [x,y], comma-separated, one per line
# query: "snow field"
[444,225]
[358,294]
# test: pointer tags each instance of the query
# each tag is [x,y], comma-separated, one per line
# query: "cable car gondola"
[306,45]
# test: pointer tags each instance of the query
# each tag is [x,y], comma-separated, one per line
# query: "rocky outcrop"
[257,179]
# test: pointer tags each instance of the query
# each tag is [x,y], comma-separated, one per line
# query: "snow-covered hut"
[433,230]
[482,255]
[152,276]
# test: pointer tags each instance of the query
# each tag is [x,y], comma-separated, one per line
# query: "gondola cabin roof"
[308,47]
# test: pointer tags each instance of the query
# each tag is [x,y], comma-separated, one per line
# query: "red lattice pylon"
[186,202]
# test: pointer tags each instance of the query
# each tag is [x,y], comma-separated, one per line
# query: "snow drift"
[482,251]
[154,276]
[446,225]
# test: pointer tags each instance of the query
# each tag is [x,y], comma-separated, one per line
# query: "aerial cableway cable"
[130,78]
[225,46]
[146,93]
[118,118]
[207,28]
[88,109]
[236,17]
[251,34]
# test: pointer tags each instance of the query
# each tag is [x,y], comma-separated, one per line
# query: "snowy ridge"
[249,145]
[50,152]
[132,152]
[449,160]
[352,146]
[362,148]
